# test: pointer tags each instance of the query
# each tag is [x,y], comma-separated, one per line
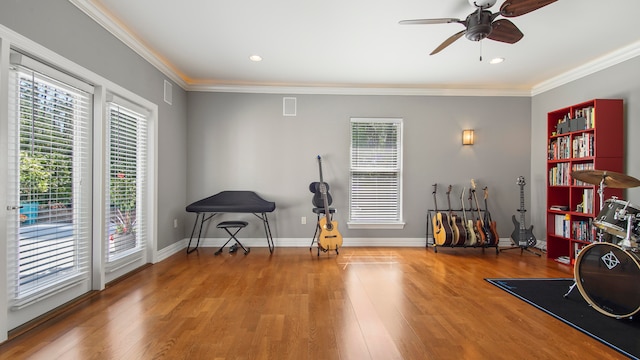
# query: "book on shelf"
[563,260]
[559,174]
[559,207]
[582,230]
[587,201]
[562,226]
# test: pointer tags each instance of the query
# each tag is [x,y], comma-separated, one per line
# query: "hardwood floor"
[365,303]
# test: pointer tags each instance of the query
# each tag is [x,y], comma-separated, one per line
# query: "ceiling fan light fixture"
[483,4]
[497,60]
[255,58]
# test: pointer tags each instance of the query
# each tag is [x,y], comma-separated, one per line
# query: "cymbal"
[611,179]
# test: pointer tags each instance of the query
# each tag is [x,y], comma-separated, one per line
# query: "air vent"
[168,92]
[289,106]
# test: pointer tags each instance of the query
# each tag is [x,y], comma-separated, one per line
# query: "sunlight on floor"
[379,259]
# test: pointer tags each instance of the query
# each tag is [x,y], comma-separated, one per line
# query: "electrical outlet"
[175,223]
[303,220]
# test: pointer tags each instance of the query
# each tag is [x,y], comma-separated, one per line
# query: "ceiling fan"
[482,23]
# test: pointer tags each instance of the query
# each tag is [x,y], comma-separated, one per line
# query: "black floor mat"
[547,295]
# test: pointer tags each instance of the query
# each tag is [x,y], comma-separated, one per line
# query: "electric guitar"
[522,236]
[488,222]
[475,223]
[442,232]
[459,232]
[468,224]
[483,229]
[329,237]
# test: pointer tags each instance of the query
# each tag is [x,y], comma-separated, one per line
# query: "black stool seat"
[232,224]
[237,225]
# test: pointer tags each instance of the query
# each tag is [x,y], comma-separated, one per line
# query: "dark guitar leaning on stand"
[495,238]
[329,237]
[442,232]
[522,237]
[459,231]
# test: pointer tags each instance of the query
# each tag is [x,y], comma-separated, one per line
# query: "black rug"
[622,335]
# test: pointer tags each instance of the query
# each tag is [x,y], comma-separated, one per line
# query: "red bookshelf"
[584,136]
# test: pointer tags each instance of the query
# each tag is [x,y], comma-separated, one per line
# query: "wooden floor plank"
[365,303]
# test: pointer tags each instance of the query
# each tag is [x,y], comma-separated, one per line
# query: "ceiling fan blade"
[430,21]
[513,8]
[505,31]
[448,42]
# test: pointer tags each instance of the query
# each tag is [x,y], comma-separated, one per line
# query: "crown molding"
[103,18]
[600,63]
[357,90]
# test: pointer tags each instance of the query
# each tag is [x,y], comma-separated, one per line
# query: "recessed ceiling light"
[497,60]
[255,58]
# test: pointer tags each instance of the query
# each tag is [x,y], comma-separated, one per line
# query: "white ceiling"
[349,44]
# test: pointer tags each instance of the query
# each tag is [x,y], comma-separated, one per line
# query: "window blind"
[126,167]
[49,243]
[375,171]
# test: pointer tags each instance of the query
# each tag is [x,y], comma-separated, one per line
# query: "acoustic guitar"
[483,229]
[468,224]
[459,231]
[520,235]
[329,237]
[442,232]
[488,222]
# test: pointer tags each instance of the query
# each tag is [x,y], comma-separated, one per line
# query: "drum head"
[608,279]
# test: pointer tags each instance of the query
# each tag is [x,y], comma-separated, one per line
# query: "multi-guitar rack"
[432,212]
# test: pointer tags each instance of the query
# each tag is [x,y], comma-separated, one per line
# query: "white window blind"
[49,244]
[126,169]
[375,175]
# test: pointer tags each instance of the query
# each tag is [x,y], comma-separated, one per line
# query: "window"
[376,173]
[126,169]
[49,241]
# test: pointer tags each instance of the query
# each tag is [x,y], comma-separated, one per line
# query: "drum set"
[607,272]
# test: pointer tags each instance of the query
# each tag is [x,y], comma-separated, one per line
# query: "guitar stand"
[522,249]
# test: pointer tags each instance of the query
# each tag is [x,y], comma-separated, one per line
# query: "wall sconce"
[467,137]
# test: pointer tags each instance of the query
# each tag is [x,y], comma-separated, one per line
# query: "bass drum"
[608,278]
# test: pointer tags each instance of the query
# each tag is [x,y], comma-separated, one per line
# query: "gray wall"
[617,82]
[61,27]
[243,142]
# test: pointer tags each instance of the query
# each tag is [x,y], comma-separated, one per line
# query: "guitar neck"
[522,209]
[475,196]
[323,190]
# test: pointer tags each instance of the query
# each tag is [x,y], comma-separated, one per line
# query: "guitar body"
[442,232]
[481,231]
[481,225]
[472,240]
[494,233]
[458,228]
[456,232]
[472,235]
[329,237]
[459,233]
[490,225]
[524,235]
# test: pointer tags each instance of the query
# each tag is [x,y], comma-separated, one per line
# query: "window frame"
[380,223]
